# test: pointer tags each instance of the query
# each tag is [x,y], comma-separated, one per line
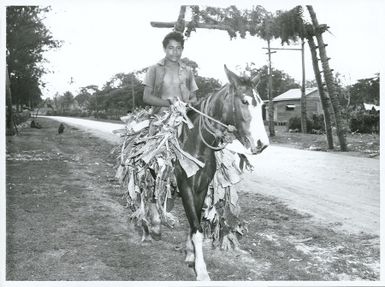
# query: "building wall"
[282,114]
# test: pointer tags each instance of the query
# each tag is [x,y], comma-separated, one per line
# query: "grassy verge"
[66,220]
[362,145]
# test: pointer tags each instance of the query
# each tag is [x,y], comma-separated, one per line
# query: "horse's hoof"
[190,259]
[146,238]
[190,263]
[203,277]
[156,236]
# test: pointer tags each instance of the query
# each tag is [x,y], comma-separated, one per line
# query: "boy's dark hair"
[173,36]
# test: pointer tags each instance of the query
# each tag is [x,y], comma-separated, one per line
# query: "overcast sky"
[102,38]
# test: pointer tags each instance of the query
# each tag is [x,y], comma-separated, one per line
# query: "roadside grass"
[362,145]
[66,220]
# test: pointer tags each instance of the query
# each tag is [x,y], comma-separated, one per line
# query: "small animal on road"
[61,129]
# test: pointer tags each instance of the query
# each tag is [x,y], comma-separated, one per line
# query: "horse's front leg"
[190,254]
[200,265]
[193,205]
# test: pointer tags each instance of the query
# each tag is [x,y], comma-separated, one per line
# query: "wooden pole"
[132,92]
[270,92]
[303,94]
[180,23]
[324,100]
[330,84]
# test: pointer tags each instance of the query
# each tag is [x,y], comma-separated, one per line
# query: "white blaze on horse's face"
[257,127]
[255,138]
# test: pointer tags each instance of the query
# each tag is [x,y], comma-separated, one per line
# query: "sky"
[102,38]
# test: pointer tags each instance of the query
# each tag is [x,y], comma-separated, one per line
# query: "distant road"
[334,188]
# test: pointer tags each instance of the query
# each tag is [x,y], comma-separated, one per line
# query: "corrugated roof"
[293,94]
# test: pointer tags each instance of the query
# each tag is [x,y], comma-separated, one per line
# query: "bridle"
[204,123]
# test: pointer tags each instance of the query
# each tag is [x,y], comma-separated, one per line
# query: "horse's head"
[245,114]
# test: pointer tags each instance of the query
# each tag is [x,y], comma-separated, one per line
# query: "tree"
[281,82]
[10,125]
[328,75]
[365,91]
[68,101]
[206,85]
[324,100]
[27,39]
[83,98]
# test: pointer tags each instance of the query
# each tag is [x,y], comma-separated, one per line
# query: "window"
[290,107]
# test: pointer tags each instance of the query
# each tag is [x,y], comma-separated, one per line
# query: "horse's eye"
[245,101]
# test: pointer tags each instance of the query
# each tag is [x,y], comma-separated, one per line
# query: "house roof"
[369,107]
[293,94]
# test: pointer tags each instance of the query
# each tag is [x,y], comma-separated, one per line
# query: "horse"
[235,109]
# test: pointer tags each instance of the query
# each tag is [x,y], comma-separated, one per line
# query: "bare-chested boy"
[170,79]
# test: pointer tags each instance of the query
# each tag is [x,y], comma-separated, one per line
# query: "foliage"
[365,121]
[365,91]
[21,117]
[286,25]
[231,19]
[289,25]
[318,123]
[314,125]
[112,101]
[27,39]
[282,82]
[206,85]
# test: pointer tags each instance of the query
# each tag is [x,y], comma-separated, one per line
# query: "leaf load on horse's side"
[196,154]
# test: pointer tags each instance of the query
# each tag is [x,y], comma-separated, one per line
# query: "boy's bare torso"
[171,83]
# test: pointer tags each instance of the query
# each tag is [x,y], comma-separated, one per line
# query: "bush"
[314,125]
[365,121]
[22,117]
[318,124]
[51,113]
[100,115]
[294,123]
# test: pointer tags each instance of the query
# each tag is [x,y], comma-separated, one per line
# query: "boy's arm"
[150,99]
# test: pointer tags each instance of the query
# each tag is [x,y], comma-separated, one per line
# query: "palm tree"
[330,84]
[325,102]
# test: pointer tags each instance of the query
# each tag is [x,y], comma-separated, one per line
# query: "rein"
[204,123]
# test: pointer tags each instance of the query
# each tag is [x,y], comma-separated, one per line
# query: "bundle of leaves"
[148,151]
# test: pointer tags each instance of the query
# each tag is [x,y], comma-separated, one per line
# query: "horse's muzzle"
[259,148]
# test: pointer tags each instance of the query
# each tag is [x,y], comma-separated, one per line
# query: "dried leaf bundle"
[148,151]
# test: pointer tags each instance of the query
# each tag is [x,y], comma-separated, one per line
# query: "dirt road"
[66,217]
[336,189]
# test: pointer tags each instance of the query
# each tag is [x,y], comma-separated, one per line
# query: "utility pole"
[132,91]
[303,96]
[270,92]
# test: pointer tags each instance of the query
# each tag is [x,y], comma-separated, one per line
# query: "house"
[288,105]
[370,107]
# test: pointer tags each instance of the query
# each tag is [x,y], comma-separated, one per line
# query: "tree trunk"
[10,126]
[303,94]
[329,81]
[324,100]
[270,92]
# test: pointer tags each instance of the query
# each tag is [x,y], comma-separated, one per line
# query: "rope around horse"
[206,125]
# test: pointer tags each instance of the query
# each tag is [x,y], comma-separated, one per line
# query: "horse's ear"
[233,78]
[256,79]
